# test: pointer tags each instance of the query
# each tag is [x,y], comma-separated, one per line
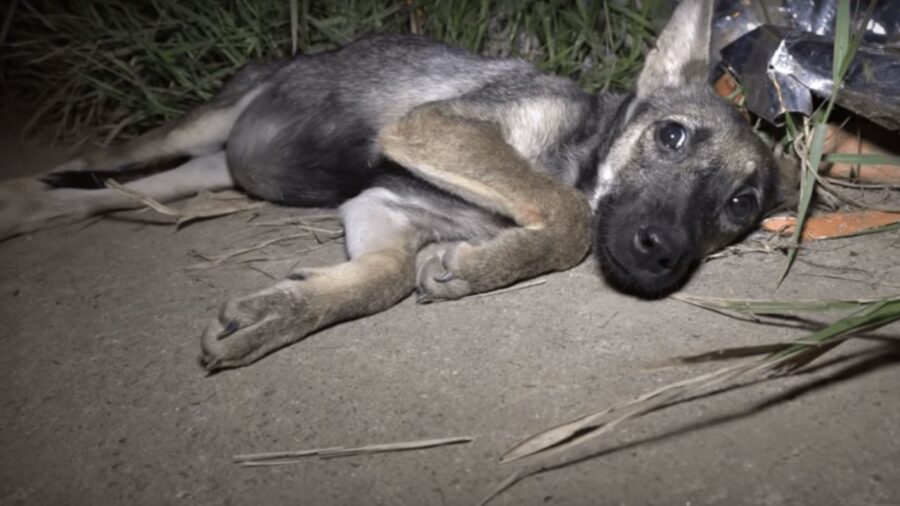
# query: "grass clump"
[98,69]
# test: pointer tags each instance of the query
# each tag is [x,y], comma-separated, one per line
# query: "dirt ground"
[103,401]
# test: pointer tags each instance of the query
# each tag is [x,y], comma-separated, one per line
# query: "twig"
[182,217]
[870,282]
[828,187]
[298,220]
[393,447]
[332,231]
[862,186]
[293,257]
[140,197]
[738,251]
[264,273]
[576,432]
[217,259]
[514,288]
[250,457]
[292,457]
[505,484]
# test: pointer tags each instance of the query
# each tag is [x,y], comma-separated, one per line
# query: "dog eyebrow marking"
[615,160]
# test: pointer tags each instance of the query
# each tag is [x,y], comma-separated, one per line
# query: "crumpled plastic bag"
[782,50]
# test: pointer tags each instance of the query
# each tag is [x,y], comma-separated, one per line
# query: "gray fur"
[457,173]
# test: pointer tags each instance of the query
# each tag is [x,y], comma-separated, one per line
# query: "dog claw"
[423,297]
[445,277]
[211,364]
[298,275]
[230,328]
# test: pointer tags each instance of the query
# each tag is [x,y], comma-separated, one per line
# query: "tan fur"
[294,308]
[473,161]
[513,157]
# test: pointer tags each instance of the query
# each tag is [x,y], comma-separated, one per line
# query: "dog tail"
[83,180]
[96,179]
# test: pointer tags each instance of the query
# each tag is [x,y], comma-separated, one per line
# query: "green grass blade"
[295,25]
[176,55]
[566,436]
[807,190]
[10,14]
[876,315]
[876,230]
[776,307]
[841,40]
[792,132]
[844,51]
[863,159]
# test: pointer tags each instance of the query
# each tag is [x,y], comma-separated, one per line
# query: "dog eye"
[671,135]
[742,206]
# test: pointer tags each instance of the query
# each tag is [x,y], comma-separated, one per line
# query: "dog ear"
[681,55]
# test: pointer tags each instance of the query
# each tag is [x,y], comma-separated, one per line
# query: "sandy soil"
[103,401]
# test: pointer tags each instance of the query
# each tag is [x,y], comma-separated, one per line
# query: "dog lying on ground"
[512,173]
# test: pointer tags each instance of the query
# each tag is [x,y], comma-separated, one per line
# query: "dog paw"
[250,327]
[441,272]
[27,204]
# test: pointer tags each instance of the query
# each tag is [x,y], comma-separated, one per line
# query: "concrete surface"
[103,403]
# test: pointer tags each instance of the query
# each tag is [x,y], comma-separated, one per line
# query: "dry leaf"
[203,205]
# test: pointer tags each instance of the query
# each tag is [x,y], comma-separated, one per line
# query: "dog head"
[686,176]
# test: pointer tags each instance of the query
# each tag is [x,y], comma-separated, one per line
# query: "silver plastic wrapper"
[782,51]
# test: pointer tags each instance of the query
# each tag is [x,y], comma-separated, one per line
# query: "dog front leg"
[380,273]
[470,158]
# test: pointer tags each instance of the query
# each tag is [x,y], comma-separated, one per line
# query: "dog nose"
[657,250]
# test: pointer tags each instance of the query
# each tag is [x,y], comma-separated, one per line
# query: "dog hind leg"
[31,203]
[202,131]
[67,205]
[381,243]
